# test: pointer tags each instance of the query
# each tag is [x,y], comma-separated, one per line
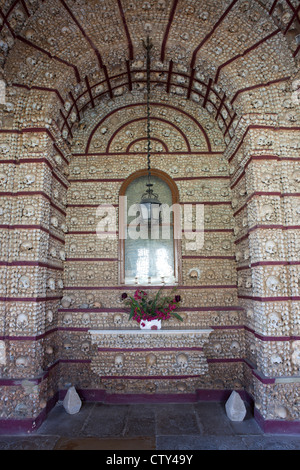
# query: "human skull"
[66,301]
[85,319]
[235,346]
[266,178]
[274,319]
[150,361]
[273,283]
[29,179]
[117,319]
[3,179]
[296,353]
[276,359]
[28,211]
[54,221]
[217,347]
[51,283]
[85,346]
[22,320]
[49,316]
[182,361]
[26,246]
[67,320]
[271,247]
[194,273]
[24,282]
[267,212]
[22,362]
[119,361]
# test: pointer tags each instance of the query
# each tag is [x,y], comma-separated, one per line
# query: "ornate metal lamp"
[149,206]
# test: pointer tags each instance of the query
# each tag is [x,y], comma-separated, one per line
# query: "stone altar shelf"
[149,353]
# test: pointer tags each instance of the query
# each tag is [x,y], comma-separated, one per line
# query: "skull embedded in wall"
[194,273]
[235,346]
[117,319]
[296,353]
[3,179]
[182,361]
[22,362]
[273,283]
[217,348]
[85,319]
[54,221]
[267,212]
[119,361]
[29,179]
[26,247]
[24,282]
[85,347]
[271,247]
[266,178]
[276,359]
[51,283]
[22,321]
[151,361]
[28,211]
[67,319]
[274,319]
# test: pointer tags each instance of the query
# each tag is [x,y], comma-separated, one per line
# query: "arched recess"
[122,220]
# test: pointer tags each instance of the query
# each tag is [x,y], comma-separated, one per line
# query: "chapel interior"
[219,105]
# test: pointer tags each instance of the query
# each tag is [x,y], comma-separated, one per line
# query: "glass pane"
[149,255]
[150,258]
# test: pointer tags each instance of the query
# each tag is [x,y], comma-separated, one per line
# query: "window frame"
[176,242]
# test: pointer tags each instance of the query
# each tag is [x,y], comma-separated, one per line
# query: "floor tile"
[93,443]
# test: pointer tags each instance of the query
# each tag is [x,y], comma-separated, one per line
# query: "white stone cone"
[72,402]
[235,407]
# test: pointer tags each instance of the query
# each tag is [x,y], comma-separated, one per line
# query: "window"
[149,255]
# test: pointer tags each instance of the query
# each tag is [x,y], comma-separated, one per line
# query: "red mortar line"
[264,193]
[268,263]
[192,118]
[246,51]
[35,46]
[149,349]
[267,227]
[260,85]
[40,88]
[153,139]
[194,56]
[270,299]
[262,127]
[35,160]
[165,38]
[30,263]
[33,193]
[97,53]
[160,154]
[130,46]
[32,227]
[147,287]
[263,157]
[153,118]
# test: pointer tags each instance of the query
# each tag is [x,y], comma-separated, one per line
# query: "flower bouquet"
[149,312]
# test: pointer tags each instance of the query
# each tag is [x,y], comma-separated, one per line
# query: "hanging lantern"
[150,206]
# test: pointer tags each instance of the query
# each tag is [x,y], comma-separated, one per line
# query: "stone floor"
[148,427]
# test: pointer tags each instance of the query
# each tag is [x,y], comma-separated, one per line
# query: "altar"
[150,360]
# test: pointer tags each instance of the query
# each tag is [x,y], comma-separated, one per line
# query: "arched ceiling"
[87,51]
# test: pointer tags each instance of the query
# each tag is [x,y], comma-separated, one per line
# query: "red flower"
[153,327]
